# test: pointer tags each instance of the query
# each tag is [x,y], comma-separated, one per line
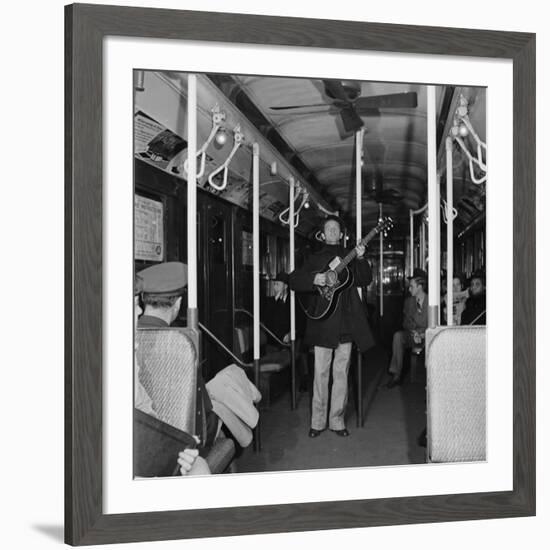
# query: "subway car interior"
[238,178]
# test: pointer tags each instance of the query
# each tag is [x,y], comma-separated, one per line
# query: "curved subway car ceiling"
[307,128]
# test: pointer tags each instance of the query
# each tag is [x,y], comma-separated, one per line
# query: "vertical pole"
[358,188]
[292,297]
[192,313]
[433,215]
[411,243]
[450,222]
[422,243]
[358,235]
[381,268]
[256,275]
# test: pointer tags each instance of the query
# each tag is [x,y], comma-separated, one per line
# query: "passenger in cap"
[189,461]
[163,288]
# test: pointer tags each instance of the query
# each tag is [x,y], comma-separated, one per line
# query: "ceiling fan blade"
[368,112]
[334,89]
[281,107]
[350,119]
[387,101]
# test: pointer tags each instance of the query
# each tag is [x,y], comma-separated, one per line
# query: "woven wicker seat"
[168,372]
[456,399]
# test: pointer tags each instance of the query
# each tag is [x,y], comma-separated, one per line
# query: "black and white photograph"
[309,273]
[270,275]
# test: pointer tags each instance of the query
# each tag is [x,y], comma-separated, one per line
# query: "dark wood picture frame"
[85,28]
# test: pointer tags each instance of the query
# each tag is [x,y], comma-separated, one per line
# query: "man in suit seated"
[415,322]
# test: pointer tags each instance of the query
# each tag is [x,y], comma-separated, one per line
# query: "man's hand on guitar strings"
[360,250]
[320,279]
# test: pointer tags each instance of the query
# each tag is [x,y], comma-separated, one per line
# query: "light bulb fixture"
[221,137]
[306,205]
[463,130]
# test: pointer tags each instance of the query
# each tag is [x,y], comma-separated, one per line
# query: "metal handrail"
[274,336]
[478,317]
[225,348]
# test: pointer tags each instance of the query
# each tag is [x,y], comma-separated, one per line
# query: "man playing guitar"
[333,333]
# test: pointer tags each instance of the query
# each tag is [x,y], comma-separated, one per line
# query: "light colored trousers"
[339,396]
[402,339]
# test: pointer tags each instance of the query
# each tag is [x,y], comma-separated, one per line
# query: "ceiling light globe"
[221,137]
[463,130]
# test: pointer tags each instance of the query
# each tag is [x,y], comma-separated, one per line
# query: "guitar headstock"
[384,225]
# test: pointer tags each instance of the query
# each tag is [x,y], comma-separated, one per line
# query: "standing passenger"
[332,337]
[275,310]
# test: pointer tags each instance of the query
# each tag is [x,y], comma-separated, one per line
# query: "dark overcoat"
[474,312]
[349,317]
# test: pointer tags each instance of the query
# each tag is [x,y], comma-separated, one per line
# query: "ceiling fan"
[350,105]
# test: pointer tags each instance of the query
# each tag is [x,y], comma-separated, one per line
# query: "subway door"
[215,280]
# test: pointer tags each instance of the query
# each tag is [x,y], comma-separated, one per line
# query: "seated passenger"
[415,321]
[163,287]
[459,300]
[475,310]
[189,461]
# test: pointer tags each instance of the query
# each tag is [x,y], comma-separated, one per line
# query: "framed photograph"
[300,135]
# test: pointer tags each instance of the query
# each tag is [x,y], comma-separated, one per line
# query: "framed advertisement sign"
[149,228]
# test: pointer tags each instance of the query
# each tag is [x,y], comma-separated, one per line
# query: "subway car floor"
[393,420]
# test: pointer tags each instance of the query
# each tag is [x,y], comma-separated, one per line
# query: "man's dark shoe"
[341,433]
[314,433]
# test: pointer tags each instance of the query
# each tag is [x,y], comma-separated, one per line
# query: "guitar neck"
[351,256]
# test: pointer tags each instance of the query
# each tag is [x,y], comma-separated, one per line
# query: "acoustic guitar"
[322,304]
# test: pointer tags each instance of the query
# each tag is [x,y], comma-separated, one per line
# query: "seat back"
[168,371]
[243,341]
[456,393]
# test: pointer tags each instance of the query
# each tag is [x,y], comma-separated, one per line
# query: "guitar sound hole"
[332,279]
